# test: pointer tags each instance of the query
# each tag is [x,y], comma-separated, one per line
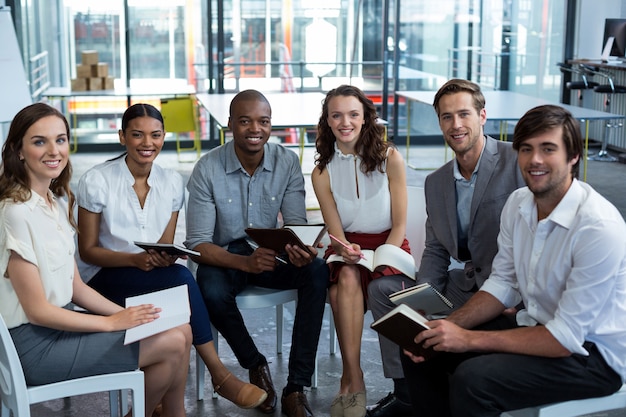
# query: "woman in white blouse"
[360,183]
[40,277]
[128,199]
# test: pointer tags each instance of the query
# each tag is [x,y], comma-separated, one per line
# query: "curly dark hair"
[371,146]
[14,181]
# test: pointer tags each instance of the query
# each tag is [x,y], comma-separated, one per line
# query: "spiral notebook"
[422,297]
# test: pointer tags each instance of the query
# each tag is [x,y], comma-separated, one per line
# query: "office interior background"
[382,46]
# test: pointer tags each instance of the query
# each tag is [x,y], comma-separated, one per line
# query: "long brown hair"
[370,147]
[14,181]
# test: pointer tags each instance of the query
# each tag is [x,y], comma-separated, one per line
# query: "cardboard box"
[79,84]
[83,71]
[100,70]
[89,57]
[108,83]
[95,83]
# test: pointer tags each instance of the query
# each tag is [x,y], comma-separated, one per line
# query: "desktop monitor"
[615,28]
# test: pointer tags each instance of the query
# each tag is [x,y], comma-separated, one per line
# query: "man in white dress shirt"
[561,250]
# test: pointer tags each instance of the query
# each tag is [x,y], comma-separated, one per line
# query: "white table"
[509,106]
[289,110]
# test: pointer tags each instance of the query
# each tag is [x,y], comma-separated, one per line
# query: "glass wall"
[285,45]
[293,45]
[499,44]
[158,47]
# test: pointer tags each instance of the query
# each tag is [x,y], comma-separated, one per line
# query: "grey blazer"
[498,175]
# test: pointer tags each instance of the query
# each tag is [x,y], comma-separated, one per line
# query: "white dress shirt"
[43,236]
[107,189]
[569,268]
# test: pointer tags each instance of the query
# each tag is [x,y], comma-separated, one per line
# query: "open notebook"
[175,310]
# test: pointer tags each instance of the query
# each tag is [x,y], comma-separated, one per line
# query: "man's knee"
[212,286]
[379,289]
[474,383]
[319,278]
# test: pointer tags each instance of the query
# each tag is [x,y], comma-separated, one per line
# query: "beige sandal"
[249,395]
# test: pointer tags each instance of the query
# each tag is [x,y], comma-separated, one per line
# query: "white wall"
[591,15]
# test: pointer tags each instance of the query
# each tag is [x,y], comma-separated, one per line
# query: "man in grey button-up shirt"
[249,182]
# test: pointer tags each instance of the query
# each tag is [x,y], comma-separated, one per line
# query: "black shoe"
[390,406]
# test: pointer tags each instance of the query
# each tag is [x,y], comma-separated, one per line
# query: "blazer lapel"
[449,195]
[485,171]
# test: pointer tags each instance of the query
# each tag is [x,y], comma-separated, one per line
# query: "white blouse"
[369,209]
[107,189]
[43,236]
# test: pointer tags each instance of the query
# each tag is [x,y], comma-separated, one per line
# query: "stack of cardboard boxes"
[91,75]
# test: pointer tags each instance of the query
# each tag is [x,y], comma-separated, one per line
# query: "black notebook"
[169,248]
[401,325]
[298,234]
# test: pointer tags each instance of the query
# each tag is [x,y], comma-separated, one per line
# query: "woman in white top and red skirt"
[360,183]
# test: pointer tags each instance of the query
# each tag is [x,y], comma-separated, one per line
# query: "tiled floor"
[608,178]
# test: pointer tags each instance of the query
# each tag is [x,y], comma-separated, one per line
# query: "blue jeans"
[118,283]
[220,286]
[485,385]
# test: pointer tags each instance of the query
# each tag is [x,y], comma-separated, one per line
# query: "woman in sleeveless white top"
[360,183]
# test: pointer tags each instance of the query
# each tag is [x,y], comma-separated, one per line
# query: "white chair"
[416,222]
[575,407]
[249,298]
[17,397]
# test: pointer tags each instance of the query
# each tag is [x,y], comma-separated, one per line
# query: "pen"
[344,245]
[254,246]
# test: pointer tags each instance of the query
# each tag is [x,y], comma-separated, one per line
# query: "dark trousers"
[483,385]
[118,283]
[220,286]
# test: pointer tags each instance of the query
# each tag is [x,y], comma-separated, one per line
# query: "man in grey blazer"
[464,199]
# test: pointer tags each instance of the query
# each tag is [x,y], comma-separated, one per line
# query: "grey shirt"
[224,199]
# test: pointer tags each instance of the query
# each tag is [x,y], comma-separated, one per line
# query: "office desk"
[509,106]
[289,110]
[65,94]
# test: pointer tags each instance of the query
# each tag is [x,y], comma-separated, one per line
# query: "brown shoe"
[262,378]
[296,405]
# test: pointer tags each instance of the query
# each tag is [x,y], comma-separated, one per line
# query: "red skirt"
[366,241]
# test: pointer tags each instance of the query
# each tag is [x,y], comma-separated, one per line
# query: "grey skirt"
[49,355]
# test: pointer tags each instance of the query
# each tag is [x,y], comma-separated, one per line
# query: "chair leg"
[139,406]
[603,155]
[279,328]
[114,402]
[314,377]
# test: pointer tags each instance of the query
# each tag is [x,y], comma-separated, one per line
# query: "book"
[302,235]
[384,255]
[423,298]
[169,248]
[175,310]
[401,325]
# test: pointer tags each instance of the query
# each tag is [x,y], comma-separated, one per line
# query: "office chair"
[579,85]
[608,90]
